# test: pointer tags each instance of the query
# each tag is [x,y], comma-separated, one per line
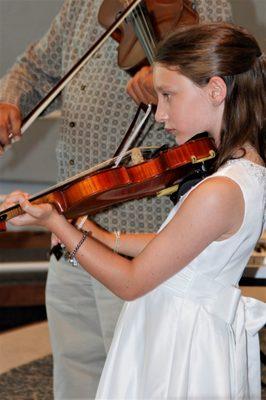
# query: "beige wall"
[23,21]
[26,164]
[252,15]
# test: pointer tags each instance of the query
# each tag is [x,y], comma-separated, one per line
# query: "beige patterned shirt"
[96,111]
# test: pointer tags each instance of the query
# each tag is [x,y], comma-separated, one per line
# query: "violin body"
[97,191]
[163,16]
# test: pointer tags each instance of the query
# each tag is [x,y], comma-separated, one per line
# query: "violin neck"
[50,195]
[143,29]
[7,214]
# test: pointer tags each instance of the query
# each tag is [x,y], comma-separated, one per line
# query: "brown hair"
[218,49]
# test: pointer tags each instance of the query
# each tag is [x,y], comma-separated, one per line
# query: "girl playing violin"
[185,330]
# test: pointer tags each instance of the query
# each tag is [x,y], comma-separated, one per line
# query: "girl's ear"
[216,90]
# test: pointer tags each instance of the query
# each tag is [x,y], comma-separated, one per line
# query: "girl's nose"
[160,114]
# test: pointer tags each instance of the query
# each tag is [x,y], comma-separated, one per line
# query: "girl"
[185,331]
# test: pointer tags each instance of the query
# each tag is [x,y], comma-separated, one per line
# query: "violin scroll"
[2,226]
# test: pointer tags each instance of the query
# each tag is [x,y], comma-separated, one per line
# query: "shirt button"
[72,124]
[71,162]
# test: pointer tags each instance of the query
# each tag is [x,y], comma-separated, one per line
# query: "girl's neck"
[251,153]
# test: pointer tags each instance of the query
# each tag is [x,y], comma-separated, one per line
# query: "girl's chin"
[180,140]
[183,138]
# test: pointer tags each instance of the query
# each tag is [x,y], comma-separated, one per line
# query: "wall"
[252,15]
[29,164]
[23,21]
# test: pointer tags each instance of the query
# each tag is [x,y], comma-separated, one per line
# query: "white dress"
[195,336]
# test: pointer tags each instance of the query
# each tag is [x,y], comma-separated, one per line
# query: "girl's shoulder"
[236,181]
[233,189]
[243,169]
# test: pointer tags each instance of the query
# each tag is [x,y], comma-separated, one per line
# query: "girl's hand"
[39,215]
[8,200]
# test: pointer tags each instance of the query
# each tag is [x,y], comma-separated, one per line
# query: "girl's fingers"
[15,192]
[21,220]
[40,211]
[12,200]
[33,214]
[36,211]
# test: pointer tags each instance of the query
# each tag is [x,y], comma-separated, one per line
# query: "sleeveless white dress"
[195,336]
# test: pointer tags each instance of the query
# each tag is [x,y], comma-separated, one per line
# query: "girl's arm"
[212,211]
[128,244]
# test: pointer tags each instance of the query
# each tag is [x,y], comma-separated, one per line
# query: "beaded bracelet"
[117,241]
[71,256]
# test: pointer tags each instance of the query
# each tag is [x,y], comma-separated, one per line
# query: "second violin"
[149,22]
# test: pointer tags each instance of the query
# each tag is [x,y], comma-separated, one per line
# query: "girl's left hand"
[39,215]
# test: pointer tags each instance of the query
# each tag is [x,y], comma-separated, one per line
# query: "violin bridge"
[136,156]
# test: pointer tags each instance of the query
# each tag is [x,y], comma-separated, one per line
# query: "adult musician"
[95,112]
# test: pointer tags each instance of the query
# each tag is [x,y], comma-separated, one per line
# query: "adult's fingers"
[10,124]
[140,87]
[15,121]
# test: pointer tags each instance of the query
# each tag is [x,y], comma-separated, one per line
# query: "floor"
[23,345]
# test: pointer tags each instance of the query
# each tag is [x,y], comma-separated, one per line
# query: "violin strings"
[132,136]
[147,27]
[82,174]
[144,32]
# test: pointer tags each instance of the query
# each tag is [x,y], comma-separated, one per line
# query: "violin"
[147,24]
[90,192]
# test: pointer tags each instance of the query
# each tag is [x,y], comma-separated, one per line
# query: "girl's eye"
[166,96]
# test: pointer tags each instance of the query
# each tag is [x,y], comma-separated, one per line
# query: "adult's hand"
[10,124]
[140,87]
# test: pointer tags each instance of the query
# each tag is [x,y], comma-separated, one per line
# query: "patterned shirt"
[96,111]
